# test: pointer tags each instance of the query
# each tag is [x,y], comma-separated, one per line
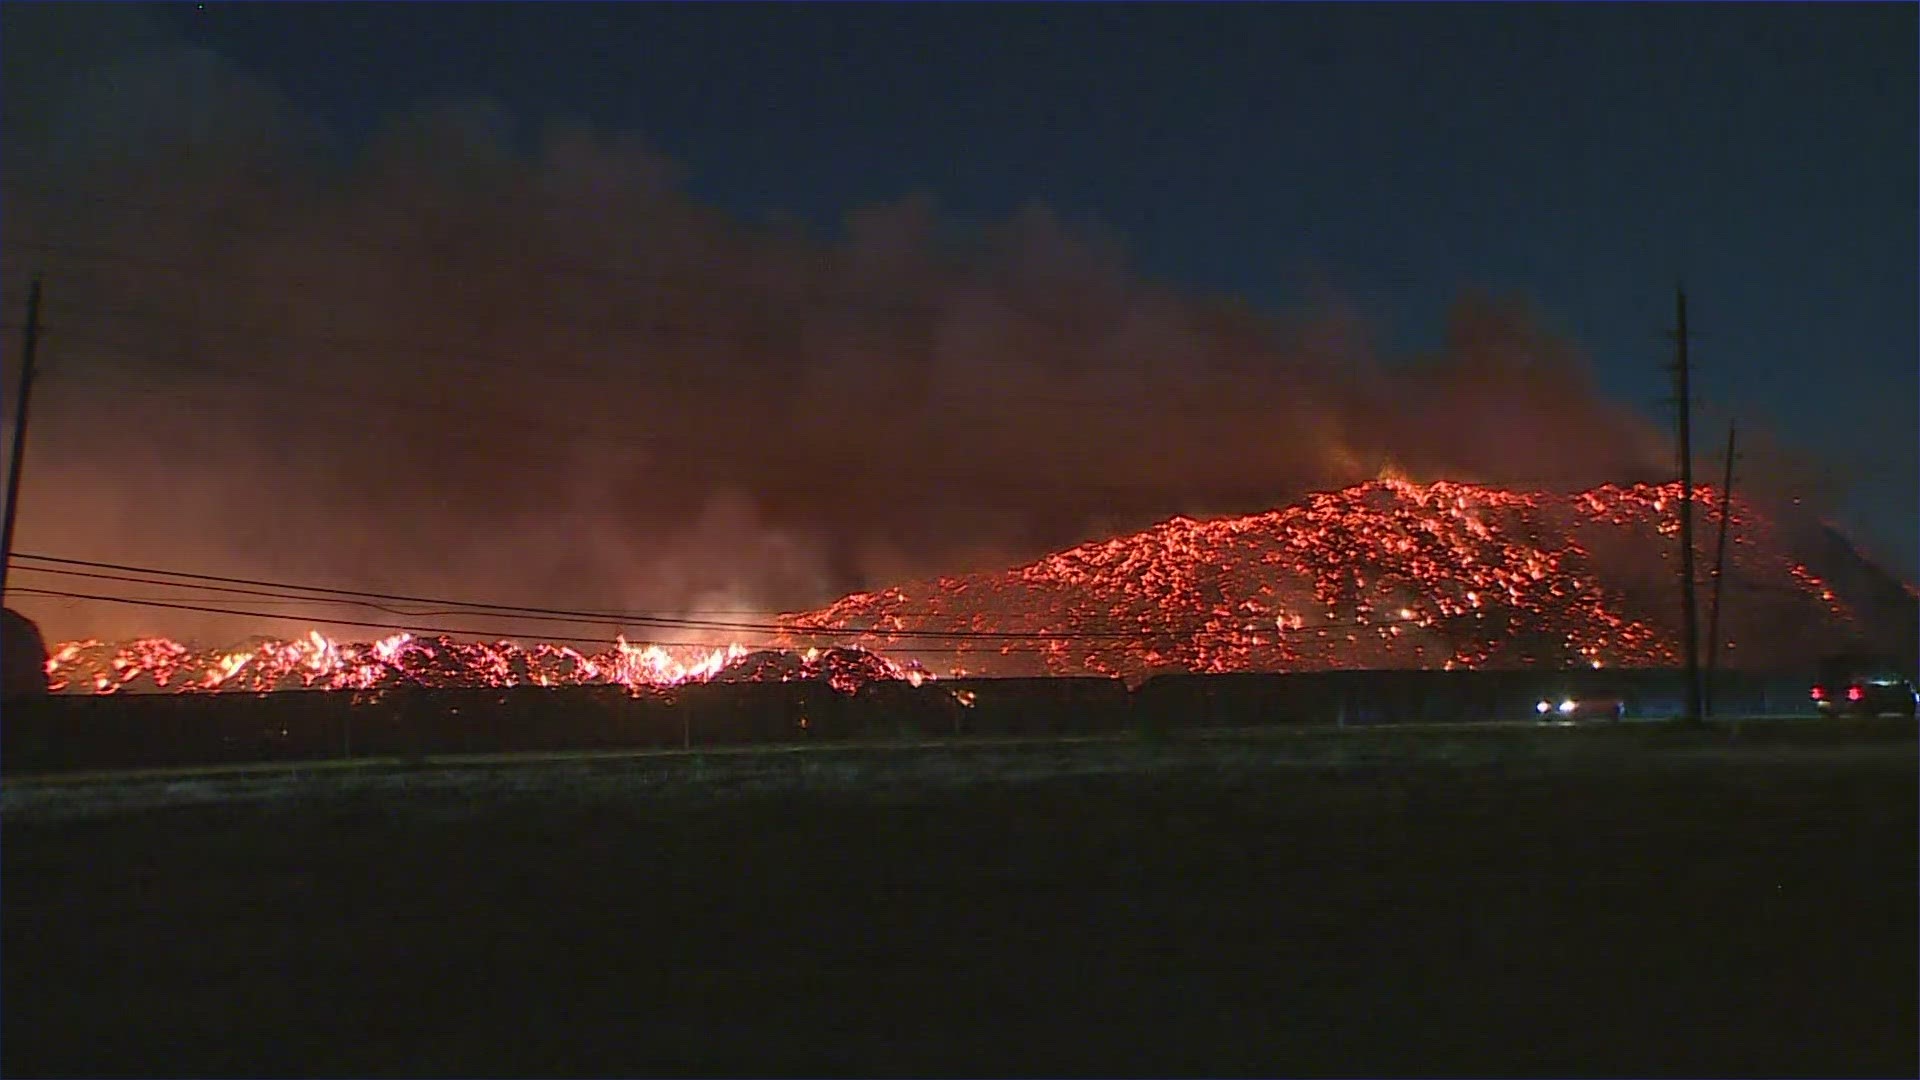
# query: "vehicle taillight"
[1854,693]
[1819,693]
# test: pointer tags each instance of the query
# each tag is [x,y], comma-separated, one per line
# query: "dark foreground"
[1691,913]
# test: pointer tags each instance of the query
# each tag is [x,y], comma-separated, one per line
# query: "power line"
[1186,627]
[367,624]
[613,617]
[557,614]
[354,598]
[1690,633]
[230,590]
[545,615]
[1032,643]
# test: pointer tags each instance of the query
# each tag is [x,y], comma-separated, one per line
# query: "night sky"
[1370,160]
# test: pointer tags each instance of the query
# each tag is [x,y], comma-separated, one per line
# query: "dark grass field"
[1745,912]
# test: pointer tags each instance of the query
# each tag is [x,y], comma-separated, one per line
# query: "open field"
[1497,901]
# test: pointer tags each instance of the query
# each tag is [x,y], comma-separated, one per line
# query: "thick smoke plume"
[469,358]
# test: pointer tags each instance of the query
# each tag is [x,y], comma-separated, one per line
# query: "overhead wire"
[1022,643]
[1191,627]
[537,614]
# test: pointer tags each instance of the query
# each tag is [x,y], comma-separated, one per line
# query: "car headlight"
[1543,708]
[1567,706]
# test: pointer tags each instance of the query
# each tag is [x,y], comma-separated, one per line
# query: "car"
[1857,685]
[1572,708]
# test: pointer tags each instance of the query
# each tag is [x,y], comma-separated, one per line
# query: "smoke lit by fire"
[466,358]
[456,360]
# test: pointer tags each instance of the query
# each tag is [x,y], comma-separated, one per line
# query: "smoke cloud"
[474,359]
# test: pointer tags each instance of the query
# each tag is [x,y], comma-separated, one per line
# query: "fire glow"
[1386,574]
[316,662]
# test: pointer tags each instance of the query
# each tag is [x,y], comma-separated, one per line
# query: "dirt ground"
[1649,914]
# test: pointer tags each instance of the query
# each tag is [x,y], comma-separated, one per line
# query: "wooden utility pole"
[27,348]
[1690,614]
[1719,571]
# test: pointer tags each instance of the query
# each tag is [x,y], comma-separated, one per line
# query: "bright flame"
[315,661]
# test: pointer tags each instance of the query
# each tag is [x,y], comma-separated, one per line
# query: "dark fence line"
[60,733]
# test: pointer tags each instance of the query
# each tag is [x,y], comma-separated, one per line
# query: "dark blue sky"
[1586,156]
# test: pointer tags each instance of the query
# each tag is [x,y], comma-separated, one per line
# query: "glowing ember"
[1388,574]
[316,662]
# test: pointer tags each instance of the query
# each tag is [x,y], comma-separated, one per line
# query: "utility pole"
[1719,571]
[28,346]
[1690,615]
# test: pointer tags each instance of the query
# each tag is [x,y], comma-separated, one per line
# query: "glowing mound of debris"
[844,669]
[1387,574]
[317,662]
